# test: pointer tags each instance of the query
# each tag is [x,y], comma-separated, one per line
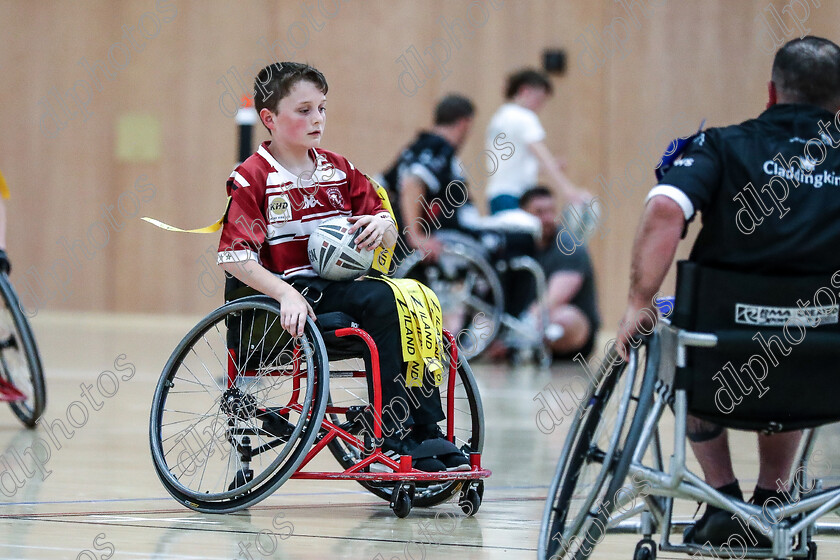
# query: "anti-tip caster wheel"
[470,498]
[401,499]
[645,550]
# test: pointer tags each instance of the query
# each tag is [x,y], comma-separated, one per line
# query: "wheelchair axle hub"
[239,405]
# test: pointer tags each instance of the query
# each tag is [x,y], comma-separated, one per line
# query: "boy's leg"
[372,304]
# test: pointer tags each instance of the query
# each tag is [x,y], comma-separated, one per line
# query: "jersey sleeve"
[363,198]
[244,227]
[695,177]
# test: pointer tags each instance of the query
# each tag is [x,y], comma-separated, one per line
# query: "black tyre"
[595,459]
[20,363]
[238,394]
[468,424]
[468,288]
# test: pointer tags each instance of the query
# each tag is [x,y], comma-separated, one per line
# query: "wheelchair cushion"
[773,367]
[344,347]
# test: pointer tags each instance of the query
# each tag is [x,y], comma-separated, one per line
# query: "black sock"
[733,490]
[761,495]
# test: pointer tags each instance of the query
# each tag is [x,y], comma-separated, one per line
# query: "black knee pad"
[704,435]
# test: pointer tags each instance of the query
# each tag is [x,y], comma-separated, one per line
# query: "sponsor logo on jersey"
[335,198]
[309,201]
[685,162]
[767,316]
[279,209]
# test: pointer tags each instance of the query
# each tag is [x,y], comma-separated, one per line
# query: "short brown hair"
[527,77]
[275,81]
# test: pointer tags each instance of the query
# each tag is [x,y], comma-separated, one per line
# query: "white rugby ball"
[333,252]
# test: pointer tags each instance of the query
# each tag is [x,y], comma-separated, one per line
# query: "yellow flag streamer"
[4,189]
[207,229]
[382,255]
[420,330]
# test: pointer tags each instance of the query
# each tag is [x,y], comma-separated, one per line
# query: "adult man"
[427,178]
[714,173]
[516,122]
[570,282]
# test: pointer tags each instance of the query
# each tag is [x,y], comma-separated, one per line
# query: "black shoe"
[394,448]
[716,527]
[431,444]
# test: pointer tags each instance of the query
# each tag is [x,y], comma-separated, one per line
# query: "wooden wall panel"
[679,62]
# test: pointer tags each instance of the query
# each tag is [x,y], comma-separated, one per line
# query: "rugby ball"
[333,252]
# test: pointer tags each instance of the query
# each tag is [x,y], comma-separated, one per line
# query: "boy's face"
[300,117]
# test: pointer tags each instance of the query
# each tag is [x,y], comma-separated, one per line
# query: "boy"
[279,196]
[517,122]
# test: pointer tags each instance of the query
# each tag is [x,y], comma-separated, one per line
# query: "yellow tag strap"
[420,330]
[4,189]
[382,255]
[208,229]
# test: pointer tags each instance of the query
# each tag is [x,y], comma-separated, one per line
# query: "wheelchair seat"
[339,347]
[771,368]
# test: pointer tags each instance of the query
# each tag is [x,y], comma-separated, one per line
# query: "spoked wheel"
[595,459]
[20,363]
[468,288]
[468,430]
[237,407]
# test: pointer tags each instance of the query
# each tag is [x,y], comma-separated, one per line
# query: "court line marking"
[301,535]
[267,507]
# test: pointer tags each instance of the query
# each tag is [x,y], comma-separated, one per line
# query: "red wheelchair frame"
[403,474]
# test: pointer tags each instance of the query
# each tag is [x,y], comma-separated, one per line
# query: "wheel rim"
[20,364]
[469,292]
[468,429]
[588,464]
[196,414]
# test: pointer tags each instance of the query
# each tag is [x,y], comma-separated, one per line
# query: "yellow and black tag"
[420,330]
[207,229]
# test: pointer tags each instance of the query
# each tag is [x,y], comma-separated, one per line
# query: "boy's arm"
[293,307]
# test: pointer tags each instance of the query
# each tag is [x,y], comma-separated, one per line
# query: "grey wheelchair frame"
[574,536]
[464,254]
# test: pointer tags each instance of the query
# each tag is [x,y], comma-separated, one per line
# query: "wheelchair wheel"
[20,363]
[468,431]
[595,460]
[468,288]
[237,407]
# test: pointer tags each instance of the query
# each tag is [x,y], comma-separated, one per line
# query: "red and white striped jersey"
[272,211]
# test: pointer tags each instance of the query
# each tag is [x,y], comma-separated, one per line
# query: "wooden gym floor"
[101,497]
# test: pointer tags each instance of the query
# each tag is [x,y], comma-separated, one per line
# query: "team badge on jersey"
[279,209]
[335,198]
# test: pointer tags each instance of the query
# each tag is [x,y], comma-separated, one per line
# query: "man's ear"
[772,94]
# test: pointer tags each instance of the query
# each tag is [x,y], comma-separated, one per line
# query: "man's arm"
[562,184]
[562,287]
[412,190]
[654,248]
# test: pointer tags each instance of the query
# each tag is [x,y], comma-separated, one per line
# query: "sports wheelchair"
[21,374]
[719,318]
[241,407]
[470,277]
